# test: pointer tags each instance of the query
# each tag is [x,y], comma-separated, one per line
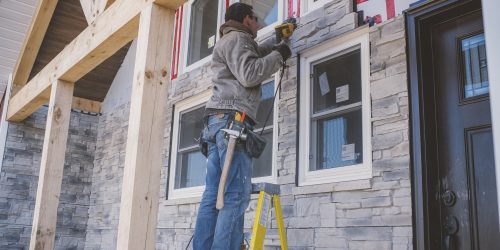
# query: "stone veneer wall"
[107,177]
[19,180]
[363,214]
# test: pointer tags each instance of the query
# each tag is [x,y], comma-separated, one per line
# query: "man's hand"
[284,50]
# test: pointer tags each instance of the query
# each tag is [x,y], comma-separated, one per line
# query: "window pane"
[263,165]
[475,66]
[339,141]
[266,105]
[265,10]
[191,124]
[203,29]
[337,82]
[191,169]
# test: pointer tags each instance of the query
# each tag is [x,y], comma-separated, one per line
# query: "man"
[239,66]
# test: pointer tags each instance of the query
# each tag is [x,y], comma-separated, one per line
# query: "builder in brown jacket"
[239,65]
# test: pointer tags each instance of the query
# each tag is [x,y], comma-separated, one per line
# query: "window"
[203,23]
[268,12]
[203,19]
[187,164]
[335,111]
[263,167]
[310,5]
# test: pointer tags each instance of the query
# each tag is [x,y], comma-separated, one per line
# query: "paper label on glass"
[342,93]
[324,86]
[211,41]
[348,152]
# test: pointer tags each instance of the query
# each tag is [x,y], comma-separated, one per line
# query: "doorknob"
[449,198]
[450,228]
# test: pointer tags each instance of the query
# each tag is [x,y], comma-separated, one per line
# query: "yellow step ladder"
[269,195]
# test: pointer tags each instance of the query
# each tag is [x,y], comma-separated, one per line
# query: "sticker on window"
[211,41]
[348,152]
[342,93]
[324,86]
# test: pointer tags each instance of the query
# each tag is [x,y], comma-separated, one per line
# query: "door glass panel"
[203,30]
[475,66]
[266,11]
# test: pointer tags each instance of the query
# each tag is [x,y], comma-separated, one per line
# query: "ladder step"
[269,188]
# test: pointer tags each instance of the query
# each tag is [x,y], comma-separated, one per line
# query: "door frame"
[421,101]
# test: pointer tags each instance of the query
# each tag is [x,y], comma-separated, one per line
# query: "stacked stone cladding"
[107,177]
[19,180]
[364,214]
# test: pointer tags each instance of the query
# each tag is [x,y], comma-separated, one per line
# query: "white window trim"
[273,178]
[358,37]
[308,5]
[198,100]
[261,34]
[185,37]
[180,107]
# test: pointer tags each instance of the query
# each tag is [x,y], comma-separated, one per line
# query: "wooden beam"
[143,156]
[51,167]
[93,8]
[86,105]
[170,4]
[31,45]
[111,30]
[87,6]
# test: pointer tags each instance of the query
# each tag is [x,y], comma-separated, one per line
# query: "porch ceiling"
[67,23]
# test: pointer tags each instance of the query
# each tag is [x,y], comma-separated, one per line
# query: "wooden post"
[52,164]
[141,179]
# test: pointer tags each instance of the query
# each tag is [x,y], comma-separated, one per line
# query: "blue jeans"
[223,229]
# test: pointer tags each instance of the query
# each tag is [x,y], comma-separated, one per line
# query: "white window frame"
[179,108]
[186,32]
[309,5]
[359,37]
[199,100]
[261,34]
[273,178]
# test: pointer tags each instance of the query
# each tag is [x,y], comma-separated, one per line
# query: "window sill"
[192,200]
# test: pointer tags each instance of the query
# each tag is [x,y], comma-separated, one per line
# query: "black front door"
[465,206]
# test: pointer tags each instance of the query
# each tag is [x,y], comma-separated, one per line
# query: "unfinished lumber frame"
[110,31]
[31,45]
[52,165]
[93,8]
[143,156]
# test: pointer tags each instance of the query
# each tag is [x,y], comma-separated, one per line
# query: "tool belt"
[254,143]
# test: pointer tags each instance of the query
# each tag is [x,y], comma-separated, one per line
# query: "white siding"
[15,18]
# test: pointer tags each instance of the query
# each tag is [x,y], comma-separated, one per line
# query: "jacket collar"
[233,25]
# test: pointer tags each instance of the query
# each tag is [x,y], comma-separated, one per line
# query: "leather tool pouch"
[255,144]
[203,146]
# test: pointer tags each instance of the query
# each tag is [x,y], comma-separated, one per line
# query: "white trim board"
[490,10]
[358,37]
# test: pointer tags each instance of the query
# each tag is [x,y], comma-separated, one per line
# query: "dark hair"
[238,12]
